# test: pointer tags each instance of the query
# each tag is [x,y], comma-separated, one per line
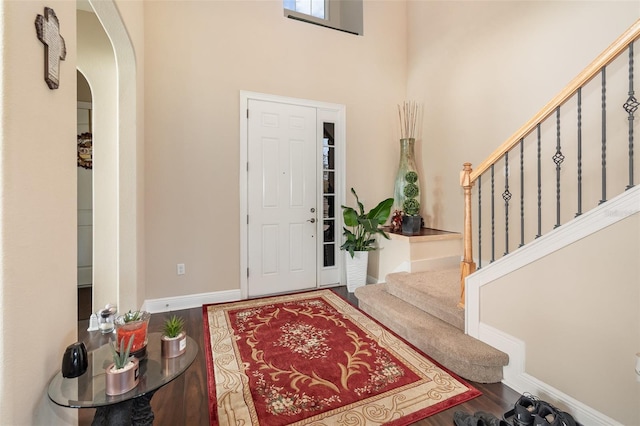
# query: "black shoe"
[490,419]
[460,418]
[548,415]
[525,410]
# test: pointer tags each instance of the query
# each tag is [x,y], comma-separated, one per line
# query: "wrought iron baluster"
[539,234]
[631,106]
[604,135]
[506,196]
[480,222]
[579,152]
[521,192]
[493,216]
[558,158]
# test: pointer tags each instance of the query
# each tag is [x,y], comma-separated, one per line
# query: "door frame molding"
[245,96]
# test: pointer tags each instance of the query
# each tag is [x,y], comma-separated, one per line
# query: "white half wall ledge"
[602,216]
[169,304]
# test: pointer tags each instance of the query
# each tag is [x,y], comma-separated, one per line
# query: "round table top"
[88,390]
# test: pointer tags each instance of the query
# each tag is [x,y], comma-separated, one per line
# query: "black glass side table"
[133,407]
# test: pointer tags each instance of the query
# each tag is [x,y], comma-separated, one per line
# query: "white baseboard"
[168,304]
[517,379]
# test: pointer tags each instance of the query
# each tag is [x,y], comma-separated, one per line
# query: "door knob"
[312,220]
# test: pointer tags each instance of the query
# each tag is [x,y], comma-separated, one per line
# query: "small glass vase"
[407,164]
[137,329]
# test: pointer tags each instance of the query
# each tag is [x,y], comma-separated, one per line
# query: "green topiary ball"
[411,177]
[411,207]
[411,190]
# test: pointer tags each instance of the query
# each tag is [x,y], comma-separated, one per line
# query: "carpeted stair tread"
[467,357]
[436,292]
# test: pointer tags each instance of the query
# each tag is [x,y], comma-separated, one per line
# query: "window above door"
[315,8]
[342,15]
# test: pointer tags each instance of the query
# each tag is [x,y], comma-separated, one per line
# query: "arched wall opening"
[84,196]
[106,57]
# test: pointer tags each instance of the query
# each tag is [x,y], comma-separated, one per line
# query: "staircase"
[552,250]
[422,307]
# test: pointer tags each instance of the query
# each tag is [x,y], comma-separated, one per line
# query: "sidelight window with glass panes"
[329,194]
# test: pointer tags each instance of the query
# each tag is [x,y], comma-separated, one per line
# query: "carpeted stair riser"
[468,357]
[434,292]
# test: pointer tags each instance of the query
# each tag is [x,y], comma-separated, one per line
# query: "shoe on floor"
[525,410]
[548,415]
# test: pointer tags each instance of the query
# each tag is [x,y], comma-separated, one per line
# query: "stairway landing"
[431,249]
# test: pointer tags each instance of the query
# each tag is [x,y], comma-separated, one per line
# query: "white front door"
[281,198]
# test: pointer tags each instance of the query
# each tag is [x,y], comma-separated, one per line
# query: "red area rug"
[312,358]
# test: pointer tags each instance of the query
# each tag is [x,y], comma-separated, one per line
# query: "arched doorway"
[108,62]
[85,197]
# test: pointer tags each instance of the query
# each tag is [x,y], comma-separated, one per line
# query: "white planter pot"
[356,269]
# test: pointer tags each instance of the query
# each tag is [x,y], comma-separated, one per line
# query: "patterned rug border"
[406,420]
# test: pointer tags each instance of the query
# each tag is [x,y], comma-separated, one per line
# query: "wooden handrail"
[605,58]
[468,176]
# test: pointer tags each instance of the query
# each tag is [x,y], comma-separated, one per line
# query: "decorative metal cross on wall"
[48,30]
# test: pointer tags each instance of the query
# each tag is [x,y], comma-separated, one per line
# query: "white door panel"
[281,198]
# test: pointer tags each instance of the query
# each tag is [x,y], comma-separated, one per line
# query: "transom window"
[342,15]
[315,8]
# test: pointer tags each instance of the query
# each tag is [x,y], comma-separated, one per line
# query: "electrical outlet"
[180,269]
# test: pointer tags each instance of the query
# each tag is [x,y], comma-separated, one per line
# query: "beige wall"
[199,55]
[581,321]
[483,68]
[38,214]
[38,196]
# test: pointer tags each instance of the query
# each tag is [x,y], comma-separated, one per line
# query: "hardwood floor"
[84,302]
[184,401]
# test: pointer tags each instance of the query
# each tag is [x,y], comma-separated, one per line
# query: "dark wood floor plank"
[84,302]
[185,402]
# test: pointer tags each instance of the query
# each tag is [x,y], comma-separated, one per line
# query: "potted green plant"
[123,374]
[360,230]
[173,341]
[412,221]
[136,324]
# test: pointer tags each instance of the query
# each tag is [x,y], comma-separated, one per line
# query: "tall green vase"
[407,163]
